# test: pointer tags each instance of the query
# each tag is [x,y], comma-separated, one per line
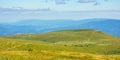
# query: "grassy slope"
[66,35]
[59,45]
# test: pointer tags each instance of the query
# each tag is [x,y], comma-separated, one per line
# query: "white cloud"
[60,1]
[20,10]
[86,1]
[78,1]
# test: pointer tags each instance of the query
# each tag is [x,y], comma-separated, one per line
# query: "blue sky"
[15,10]
[57,4]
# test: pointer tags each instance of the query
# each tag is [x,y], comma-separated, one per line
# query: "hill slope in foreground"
[84,44]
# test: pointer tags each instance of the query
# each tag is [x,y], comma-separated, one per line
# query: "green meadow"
[83,44]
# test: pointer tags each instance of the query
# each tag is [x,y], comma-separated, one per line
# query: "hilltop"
[66,35]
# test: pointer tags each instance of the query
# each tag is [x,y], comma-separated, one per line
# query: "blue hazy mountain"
[109,26]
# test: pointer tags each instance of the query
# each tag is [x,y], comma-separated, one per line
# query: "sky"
[16,10]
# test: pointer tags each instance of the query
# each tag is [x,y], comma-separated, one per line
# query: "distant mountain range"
[109,26]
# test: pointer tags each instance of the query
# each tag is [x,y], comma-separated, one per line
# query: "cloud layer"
[86,1]
[78,1]
[20,9]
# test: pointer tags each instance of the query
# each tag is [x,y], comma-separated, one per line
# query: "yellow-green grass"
[61,45]
[12,49]
[52,55]
[83,40]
